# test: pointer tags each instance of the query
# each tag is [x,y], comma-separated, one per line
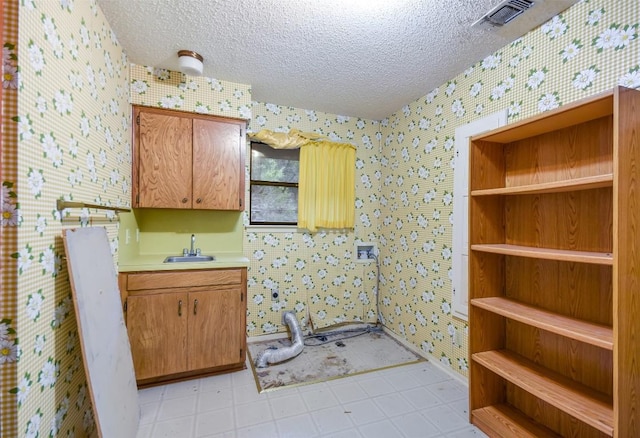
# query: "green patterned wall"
[317,275]
[405,182]
[71,140]
[590,48]
[161,88]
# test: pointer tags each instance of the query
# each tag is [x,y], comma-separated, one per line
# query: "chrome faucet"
[193,251]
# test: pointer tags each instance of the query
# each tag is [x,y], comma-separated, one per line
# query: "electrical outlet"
[127,236]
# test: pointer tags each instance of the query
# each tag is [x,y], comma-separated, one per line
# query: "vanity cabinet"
[187,161]
[185,323]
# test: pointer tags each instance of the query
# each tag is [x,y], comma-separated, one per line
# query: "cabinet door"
[165,161]
[216,328]
[218,165]
[157,325]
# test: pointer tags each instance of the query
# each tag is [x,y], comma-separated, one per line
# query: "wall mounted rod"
[61,204]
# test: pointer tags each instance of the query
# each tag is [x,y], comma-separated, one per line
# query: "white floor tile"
[381,429]
[363,412]
[281,392]
[421,398]
[376,386]
[427,373]
[346,391]
[414,425]
[214,422]
[246,394]
[401,380]
[347,433]
[319,399]
[445,418]
[213,383]
[461,407]
[418,400]
[152,394]
[468,432]
[300,426]
[174,428]
[145,431]
[267,430]
[148,412]
[249,415]
[393,404]
[449,390]
[218,399]
[331,420]
[243,377]
[287,406]
[181,389]
[177,407]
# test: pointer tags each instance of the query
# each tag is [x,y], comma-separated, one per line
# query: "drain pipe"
[275,355]
[378,316]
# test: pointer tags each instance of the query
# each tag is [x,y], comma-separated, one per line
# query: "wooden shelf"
[586,183]
[504,420]
[598,258]
[588,406]
[595,107]
[594,334]
[551,197]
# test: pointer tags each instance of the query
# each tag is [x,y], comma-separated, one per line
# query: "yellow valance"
[285,140]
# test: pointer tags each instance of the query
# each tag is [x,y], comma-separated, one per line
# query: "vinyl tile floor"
[417,400]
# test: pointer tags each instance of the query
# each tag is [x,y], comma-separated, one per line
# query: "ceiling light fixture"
[190,62]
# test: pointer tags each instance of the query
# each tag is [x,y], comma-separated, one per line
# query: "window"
[273,185]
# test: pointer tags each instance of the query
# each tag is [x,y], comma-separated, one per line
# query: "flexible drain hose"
[271,355]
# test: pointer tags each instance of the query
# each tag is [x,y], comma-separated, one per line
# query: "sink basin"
[189,258]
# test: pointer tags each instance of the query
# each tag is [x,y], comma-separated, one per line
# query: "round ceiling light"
[190,62]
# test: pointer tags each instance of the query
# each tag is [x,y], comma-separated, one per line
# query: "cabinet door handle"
[195,306]
[184,200]
[199,200]
[180,308]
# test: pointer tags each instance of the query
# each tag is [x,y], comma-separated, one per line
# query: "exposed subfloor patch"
[337,357]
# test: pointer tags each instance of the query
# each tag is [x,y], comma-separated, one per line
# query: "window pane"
[274,165]
[274,204]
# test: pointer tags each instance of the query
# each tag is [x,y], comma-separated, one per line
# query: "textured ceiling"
[361,58]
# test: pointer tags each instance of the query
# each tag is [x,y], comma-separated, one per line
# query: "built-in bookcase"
[554,272]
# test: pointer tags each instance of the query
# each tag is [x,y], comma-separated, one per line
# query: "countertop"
[154,262]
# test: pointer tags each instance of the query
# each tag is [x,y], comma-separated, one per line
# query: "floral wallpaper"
[164,88]
[405,182]
[9,221]
[67,136]
[590,48]
[317,275]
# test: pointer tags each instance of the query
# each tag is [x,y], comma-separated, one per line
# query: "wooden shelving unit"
[554,272]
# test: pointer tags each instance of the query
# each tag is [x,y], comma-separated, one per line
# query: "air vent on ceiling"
[504,12]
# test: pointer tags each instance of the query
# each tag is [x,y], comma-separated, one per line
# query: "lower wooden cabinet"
[185,323]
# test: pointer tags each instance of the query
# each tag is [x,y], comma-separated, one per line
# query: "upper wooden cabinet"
[188,161]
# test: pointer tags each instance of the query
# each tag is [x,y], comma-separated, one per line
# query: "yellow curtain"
[326,185]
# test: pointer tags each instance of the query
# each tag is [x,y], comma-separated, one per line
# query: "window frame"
[261,183]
